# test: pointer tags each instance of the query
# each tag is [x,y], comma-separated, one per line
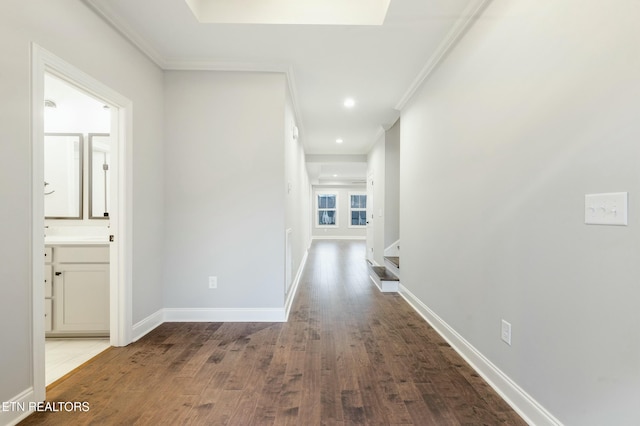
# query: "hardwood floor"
[348,355]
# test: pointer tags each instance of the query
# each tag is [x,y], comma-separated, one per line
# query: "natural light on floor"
[64,355]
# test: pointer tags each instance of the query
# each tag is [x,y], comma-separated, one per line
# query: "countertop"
[58,240]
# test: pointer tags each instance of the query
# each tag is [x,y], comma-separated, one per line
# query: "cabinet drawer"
[48,254]
[83,254]
[48,315]
[48,281]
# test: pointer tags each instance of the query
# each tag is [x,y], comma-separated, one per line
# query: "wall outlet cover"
[506,332]
[213,282]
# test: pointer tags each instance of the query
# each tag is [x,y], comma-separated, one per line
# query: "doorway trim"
[120,288]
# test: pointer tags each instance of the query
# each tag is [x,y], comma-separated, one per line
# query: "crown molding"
[111,18]
[293,92]
[462,25]
[172,64]
[169,64]
[335,158]
[380,133]
[222,65]
[208,65]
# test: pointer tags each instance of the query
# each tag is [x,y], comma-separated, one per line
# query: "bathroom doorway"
[77,164]
[90,225]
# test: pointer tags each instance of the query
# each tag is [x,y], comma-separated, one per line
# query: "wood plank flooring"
[348,355]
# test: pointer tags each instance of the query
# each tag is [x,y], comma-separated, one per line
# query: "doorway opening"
[79,217]
[77,160]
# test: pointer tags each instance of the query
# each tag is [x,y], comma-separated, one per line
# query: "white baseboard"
[329,237]
[17,408]
[146,325]
[527,407]
[294,286]
[141,328]
[224,315]
[154,320]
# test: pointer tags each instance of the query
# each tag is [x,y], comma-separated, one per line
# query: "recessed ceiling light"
[349,103]
[339,141]
[335,175]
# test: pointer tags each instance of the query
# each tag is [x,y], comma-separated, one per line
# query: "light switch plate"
[606,209]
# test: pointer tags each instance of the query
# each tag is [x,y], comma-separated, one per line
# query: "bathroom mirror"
[99,187]
[63,175]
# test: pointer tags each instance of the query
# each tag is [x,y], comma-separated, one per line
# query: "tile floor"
[63,355]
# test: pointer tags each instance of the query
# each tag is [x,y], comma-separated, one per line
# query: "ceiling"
[325,12]
[337,169]
[75,111]
[379,66]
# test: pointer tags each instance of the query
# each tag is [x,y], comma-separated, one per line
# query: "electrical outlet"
[213,282]
[506,332]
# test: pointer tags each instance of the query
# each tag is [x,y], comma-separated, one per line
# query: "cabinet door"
[81,294]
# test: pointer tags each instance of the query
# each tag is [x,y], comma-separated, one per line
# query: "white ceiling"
[325,12]
[75,111]
[337,169]
[377,65]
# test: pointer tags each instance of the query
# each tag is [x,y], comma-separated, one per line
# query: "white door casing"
[120,271]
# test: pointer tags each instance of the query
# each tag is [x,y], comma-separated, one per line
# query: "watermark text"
[52,406]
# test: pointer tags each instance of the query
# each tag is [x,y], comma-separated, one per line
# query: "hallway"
[348,355]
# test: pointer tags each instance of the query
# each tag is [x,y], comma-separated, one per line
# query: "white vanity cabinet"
[79,297]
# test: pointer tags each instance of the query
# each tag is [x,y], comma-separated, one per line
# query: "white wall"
[224,189]
[71,31]
[383,164]
[342,230]
[392,185]
[376,171]
[297,190]
[536,107]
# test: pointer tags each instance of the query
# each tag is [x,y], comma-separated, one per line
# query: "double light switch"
[606,209]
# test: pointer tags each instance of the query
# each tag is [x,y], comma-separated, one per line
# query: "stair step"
[395,260]
[384,274]
[386,281]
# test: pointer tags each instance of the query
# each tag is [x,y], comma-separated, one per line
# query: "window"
[327,210]
[357,209]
